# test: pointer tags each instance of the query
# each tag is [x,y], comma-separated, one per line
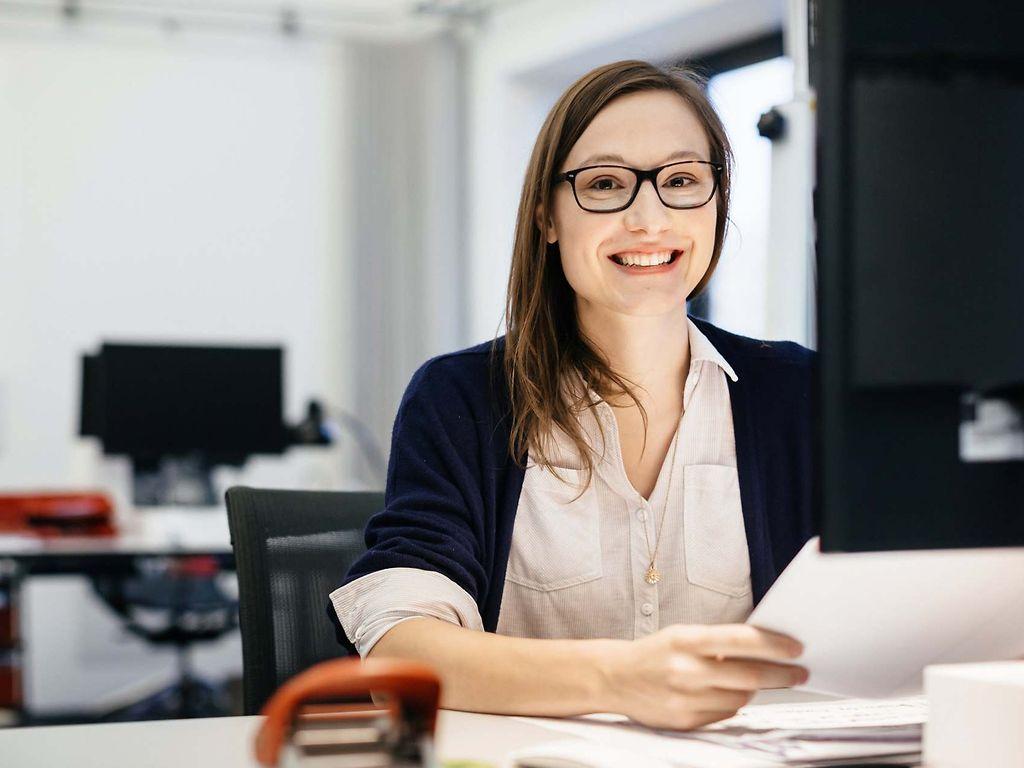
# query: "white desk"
[227,742]
[161,531]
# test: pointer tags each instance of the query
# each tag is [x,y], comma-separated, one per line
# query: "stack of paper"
[822,731]
[793,734]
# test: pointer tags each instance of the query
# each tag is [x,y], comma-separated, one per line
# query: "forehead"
[643,128]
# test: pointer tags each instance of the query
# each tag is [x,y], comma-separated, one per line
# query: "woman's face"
[641,130]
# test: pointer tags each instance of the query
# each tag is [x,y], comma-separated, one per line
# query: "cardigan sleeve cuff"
[372,604]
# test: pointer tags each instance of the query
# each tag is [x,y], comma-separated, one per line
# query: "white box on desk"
[975,715]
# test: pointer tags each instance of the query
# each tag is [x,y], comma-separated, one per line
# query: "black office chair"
[176,602]
[292,548]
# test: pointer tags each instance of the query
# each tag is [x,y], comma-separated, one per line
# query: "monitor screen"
[90,411]
[920,326]
[162,400]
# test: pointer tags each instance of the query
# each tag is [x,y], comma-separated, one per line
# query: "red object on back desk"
[57,514]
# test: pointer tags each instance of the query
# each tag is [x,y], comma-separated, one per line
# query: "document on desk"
[804,734]
[809,732]
[871,621]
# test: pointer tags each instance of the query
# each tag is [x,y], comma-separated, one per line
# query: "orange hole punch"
[317,717]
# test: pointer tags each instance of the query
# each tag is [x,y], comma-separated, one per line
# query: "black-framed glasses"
[611,188]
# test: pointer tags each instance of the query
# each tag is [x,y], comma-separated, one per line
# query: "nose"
[647,213]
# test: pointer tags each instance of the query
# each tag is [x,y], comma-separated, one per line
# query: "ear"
[547,227]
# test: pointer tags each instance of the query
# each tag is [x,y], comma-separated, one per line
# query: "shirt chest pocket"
[717,557]
[556,541]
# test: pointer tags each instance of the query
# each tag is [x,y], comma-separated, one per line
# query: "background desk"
[161,531]
[226,742]
[65,680]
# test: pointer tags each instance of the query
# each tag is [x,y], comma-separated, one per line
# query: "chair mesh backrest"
[292,548]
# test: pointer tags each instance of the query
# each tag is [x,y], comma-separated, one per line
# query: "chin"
[653,306]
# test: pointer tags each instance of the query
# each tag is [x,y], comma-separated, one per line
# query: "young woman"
[607,490]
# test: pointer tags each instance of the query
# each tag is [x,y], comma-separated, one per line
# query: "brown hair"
[544,346]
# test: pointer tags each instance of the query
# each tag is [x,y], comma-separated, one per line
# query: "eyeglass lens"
[683,185]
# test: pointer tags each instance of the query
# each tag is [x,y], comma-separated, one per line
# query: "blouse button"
[641,515]
[646,609]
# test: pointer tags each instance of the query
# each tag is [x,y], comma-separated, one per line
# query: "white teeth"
[644,259]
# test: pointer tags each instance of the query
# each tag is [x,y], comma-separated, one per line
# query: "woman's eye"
[604,184]
[680,181]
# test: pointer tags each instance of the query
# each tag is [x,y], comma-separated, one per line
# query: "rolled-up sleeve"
[371,605]
[428,549]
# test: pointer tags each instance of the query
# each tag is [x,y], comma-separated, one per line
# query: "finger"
[742,675]
[738,640]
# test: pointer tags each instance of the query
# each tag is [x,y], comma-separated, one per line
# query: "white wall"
[164,188]
[200,188]
[160,188]
[406,171]
[740,288]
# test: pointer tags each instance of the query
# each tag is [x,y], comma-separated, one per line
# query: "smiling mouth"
[640,262]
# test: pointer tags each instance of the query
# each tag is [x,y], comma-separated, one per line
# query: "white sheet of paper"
[871,621]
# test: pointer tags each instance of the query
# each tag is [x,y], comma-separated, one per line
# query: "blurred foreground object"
[975,714]
[312,719]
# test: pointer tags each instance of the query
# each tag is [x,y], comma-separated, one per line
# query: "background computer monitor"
[920,221]
[153,401]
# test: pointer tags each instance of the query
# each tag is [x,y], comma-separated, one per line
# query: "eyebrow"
[683,154]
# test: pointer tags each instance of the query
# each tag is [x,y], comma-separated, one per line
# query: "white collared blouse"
[578,562]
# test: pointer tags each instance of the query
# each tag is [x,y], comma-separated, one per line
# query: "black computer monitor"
[90,411]
[154,401]
[920,221]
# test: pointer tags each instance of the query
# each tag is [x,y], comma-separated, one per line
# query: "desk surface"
[160,531]
[227,742]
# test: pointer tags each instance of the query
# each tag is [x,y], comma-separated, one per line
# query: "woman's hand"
[689,675]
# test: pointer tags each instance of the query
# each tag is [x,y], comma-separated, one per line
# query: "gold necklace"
[653,576]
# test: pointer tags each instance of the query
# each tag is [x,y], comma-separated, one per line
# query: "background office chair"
[176,602]
[292,548]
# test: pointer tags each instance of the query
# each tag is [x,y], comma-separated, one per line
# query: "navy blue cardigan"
[453,488]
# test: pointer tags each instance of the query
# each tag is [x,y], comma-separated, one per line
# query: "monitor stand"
[175,481]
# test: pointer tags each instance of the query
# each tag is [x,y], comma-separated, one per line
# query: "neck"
[651,351]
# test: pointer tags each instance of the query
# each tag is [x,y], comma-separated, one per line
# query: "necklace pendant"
[652,576]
